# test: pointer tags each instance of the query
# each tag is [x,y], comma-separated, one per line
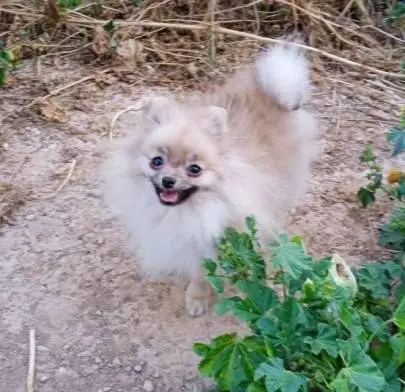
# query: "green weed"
[331,330]
[7,62]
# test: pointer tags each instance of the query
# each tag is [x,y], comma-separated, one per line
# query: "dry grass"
[187,42]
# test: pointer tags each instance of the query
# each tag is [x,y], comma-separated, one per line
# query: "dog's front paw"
[198,294]
[196,306]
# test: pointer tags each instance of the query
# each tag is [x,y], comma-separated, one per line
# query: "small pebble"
[148,386]
[138,368]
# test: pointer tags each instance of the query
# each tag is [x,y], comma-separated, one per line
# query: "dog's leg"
[197,294]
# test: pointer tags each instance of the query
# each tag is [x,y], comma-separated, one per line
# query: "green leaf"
[277,378]
[298,239]
[289,257]
[267,326]
[230,360]
[3,76]
[393,232]
[399,315]
[238,257]
[396,137]
[325,340]
[256,387]
[251,225]
[397,11]
[360,370]
[309,290]
[291,313]
[109,26]
[70,4]
[398,347]
[210,266]
[399,289]
[217,283]
[366,196]
[225,305]
[261,297]
[340,385]
[7,61]
[368,154]
[401,188]
[351,320]
[201,349]
[381,352]
[377,326]
[258,300]
[375,278]
[392,380]
[393,385]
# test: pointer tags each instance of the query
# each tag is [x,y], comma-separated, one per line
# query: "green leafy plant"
[317,327]
[7,62]
[68,4]
[110,28]
[392,234]
[396,14]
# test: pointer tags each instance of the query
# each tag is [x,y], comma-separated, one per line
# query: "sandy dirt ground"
[66,270]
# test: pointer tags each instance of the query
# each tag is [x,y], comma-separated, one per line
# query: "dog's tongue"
[169,196]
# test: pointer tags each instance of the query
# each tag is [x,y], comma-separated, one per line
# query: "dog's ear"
[156,110]
[216,120]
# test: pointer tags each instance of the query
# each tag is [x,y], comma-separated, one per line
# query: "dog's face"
[180,150]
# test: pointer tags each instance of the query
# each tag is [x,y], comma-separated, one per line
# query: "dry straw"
[194,39]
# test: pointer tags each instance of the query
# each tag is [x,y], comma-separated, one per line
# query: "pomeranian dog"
[192,167]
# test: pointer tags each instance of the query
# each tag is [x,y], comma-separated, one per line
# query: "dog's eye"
[194,170]
[157,162]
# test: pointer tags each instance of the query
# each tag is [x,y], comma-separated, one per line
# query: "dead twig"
[119,114]
[223,30]
[31,363]
[66,180]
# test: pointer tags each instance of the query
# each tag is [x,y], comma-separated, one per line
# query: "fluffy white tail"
[283,74]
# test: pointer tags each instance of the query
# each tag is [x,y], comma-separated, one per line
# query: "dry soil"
[65,268]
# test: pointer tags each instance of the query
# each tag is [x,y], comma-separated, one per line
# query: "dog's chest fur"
[174,240]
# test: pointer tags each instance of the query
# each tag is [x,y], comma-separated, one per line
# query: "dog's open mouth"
[173,197]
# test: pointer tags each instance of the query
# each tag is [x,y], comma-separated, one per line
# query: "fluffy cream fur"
[254,143]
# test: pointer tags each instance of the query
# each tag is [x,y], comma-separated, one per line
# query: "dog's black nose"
[168,182]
